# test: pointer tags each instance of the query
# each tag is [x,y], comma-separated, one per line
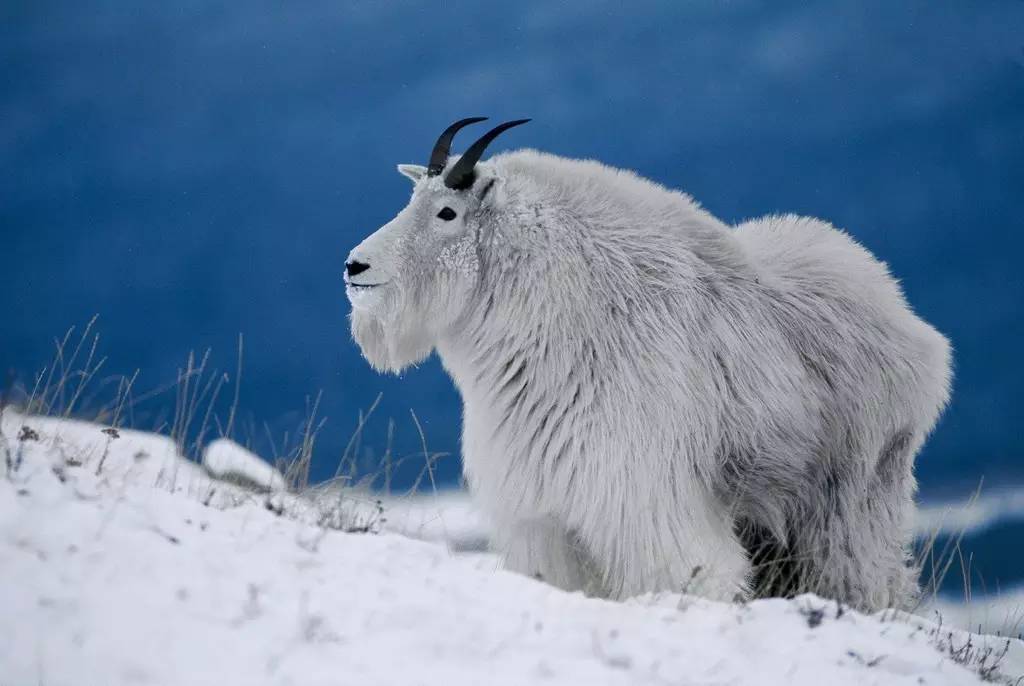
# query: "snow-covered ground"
[121,563]
[971,515]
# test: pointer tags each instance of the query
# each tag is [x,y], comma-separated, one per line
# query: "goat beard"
[392,345]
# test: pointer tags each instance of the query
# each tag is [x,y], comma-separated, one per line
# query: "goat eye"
[446,214]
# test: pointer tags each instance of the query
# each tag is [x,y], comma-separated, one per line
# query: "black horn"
[461,176]
[439,156]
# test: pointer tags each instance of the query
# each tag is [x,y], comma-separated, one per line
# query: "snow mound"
[971,515]
[227,460]
[127,574]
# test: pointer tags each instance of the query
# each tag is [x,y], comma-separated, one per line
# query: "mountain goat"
[654,400]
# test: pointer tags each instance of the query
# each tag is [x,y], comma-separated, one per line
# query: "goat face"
[412,279]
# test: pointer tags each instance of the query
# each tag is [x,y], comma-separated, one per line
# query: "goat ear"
[488,190]
[414,172]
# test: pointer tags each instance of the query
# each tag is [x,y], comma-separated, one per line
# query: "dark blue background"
[191,170]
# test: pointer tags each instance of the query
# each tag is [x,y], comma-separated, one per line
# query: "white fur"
[652,399]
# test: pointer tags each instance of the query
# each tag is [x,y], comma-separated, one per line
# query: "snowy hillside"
[122,563]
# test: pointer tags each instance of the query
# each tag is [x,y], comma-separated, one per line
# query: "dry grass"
[189,410]
[984,660]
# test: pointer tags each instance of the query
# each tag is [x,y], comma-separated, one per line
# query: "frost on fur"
[655,400]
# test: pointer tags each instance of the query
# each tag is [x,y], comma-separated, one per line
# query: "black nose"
[355,267]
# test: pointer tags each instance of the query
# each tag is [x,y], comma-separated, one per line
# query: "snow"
[1000,612]
[225,459]
[146,570]
[971,515]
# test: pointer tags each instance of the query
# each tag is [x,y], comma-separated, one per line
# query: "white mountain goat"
[654,400]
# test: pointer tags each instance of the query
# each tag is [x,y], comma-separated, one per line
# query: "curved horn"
[439,156]
[461,176]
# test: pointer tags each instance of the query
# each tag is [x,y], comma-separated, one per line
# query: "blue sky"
[193,170]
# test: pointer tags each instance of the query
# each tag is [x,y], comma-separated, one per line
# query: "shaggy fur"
[654,400]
